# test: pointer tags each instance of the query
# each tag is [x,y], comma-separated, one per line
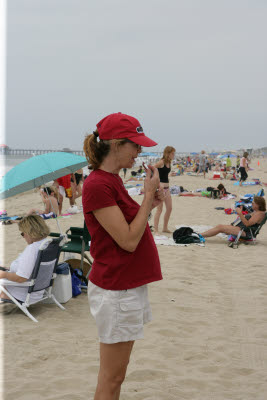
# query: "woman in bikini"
[164,168]
[49,197]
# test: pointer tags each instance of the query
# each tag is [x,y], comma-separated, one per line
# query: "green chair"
[79,242]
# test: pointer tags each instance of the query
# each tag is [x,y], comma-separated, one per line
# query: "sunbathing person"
[49,197]
[218,193]
[251,221]
[34,230]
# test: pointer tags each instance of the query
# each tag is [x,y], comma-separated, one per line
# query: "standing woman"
[243,168]
[164,168]
[124,251]
[79,180]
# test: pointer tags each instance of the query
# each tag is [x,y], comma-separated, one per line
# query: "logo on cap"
[139,129]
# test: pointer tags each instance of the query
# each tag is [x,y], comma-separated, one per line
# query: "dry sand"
[208,338]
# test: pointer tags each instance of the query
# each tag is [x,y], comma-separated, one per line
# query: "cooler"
[62,286]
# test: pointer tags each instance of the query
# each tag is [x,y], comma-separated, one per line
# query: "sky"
[193,72]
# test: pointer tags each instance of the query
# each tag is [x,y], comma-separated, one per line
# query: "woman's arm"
[159,164]
[12,276]
[248,222]
[47,205]
[127,236]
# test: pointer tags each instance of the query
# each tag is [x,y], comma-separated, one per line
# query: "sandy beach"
[208,337]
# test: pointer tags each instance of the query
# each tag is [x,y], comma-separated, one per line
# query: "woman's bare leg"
[157,217]
[227,229]
[114,359]
[78,191]
[168,204]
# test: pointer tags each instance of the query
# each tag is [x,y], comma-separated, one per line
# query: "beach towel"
[251,183]
[134,191]
[6,218]
[229,197]
[166,241]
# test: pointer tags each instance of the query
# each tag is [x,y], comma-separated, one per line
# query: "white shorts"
[61,190]
[120,314]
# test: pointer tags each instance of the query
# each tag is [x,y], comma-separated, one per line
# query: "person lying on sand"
[251,221]
[218,193]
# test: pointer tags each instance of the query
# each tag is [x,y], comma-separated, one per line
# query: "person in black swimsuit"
[77,188]
[259,207]
[164,168]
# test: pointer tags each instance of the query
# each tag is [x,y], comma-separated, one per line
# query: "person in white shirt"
[34,230]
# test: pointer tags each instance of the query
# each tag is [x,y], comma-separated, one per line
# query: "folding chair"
[42,276]
[252,235]
[79,243]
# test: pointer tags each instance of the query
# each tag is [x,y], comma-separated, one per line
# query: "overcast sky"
[193,71]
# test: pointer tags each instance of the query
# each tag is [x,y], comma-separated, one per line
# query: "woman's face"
[27,237]
[127,153]
[171,155]
[255,206]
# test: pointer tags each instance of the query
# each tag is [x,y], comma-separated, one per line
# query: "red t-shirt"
[64,181]
[114,268]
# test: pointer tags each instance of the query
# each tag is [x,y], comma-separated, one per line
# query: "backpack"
[214,192]
[77,280]
[186,235]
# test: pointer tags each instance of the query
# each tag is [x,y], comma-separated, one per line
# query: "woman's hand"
[239,210]
[159,197]
[151,183]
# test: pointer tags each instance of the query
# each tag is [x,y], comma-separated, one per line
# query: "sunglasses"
[135,144]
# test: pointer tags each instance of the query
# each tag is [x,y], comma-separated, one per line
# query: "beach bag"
[77,280]
[186,235]
[214,192]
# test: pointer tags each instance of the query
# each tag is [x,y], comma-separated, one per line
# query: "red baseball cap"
[122,126]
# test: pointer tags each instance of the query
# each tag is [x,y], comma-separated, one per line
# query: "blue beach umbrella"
[147,154]
[226,156]
[39,170]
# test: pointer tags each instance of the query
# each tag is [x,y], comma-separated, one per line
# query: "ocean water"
[8,162]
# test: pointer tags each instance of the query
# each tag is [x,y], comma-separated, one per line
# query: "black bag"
[185,235]
[214,192]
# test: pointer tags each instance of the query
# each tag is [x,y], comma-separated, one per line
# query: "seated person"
[256,217]
[34,230]
[49,197]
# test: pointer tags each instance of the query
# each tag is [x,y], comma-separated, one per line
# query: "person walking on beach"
[64,188]
[164,168]
[123,248]
[202,163]
[243,168]
[237,163]
[228,163]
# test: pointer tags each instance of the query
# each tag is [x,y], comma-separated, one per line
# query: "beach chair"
[79,243]
[42,276]
[234,242]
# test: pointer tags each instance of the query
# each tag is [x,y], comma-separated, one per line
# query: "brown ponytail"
[95,151]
